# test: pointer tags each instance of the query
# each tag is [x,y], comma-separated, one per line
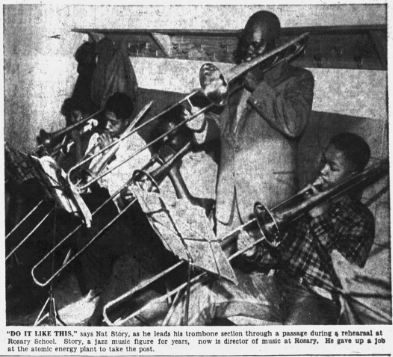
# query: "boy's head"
[346,155]
[73,110]
[117,112]
[178,137]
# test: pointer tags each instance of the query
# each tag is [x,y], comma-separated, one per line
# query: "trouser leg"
[126,274]
[129,234]
[255,296]
[301,306]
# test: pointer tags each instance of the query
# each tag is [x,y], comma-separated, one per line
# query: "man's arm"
[287,111]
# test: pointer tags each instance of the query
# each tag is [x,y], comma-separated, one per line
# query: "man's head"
[178,137]
[117,112]
[346,155]
[259,35]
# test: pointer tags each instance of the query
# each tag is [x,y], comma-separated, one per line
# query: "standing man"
[259,129]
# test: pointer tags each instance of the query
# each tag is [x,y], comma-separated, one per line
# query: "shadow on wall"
[160,99]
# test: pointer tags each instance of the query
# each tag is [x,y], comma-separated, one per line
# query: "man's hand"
[104,140]
[126,196]
[196,124]
[77,137]
[250,82]
[244,240]
[317,211]
[310,191]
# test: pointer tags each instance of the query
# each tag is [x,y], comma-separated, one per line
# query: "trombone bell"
[49,140]
[45,139]
[267,224]
[270,222]
[146,180]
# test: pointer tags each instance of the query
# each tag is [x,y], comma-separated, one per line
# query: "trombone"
[158,175]
[31,232]
[94,172]
[214,86]
[271,224]
[24,218]
[48,141]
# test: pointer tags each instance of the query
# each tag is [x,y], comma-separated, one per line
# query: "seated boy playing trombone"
[128,233]
[303,288]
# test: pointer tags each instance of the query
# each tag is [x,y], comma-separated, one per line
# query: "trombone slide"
[94,173]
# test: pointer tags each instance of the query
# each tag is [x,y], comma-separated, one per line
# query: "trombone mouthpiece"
[318,183]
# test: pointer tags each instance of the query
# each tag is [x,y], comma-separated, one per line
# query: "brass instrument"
[49,140]
[155,177]
[271,223]
[24,219]
[31,232]
[214,86]
[93,173]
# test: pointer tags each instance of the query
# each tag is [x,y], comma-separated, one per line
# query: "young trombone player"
[73,111]
[303,287]
[117,115]
[130,232]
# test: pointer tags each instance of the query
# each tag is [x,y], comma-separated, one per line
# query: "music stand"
[22,167]
[51,315]
[185,230]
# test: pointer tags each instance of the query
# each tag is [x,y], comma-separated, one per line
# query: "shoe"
[93,293]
